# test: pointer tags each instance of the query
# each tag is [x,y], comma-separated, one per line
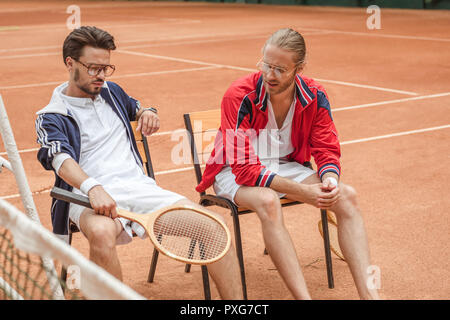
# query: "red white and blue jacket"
[244,109]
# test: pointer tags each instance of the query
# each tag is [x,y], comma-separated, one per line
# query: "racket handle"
[68,196]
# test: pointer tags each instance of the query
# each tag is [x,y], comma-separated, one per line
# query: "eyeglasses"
[95,69]
[277,71]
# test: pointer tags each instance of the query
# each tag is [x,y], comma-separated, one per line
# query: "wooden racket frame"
[147,221]
[333,246]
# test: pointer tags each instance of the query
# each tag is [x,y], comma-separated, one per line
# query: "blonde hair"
[291,40]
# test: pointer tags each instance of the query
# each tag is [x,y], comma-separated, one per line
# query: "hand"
[329,184]
[322,195]
[148,123]
[101,202]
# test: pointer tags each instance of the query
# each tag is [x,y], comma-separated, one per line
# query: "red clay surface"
[401,180]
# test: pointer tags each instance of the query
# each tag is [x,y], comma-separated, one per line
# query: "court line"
[368,105]
[232,37]
[361,106]
[157,56]
[351,84]
[195,62]
[208,39]
[253,70]
[381,35]
[142,74]
[30,55]
[386,136]
[398,134]
[139,23]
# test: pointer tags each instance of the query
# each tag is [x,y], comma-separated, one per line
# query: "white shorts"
[141,196]
[226,186]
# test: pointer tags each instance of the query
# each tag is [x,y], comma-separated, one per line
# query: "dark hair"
[86,36]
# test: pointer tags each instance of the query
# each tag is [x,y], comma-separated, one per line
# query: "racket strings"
[190,235]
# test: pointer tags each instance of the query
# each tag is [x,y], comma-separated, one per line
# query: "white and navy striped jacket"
[57,131]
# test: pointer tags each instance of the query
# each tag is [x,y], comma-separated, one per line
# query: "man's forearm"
[289,187]
[72,173]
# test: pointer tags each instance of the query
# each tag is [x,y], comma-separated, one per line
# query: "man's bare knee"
[347,202]
[268,206]
[349,194]
[102,236]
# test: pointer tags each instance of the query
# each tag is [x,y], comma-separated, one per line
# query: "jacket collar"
[261,95]
[303,94]
[58,100]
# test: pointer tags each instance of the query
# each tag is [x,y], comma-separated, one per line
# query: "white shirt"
[105,153]
[272,144]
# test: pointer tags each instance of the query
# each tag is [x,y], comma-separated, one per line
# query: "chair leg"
[238,243]
[64,269]
[205,277]
[206,288]
[64,278]
[187,267]
[326,243]
[151,272]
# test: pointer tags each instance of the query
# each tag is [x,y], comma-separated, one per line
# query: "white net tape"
[31,237]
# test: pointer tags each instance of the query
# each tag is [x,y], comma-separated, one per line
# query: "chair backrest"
[143,149]
[202,127]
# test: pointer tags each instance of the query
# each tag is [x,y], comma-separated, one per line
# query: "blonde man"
[272,122]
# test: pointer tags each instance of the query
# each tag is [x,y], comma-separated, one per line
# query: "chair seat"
[283,201]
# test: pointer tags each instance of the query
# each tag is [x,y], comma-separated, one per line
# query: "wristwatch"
[151,109]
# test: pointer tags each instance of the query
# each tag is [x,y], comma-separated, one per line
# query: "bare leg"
[266,204]
[225,272]
[101,233]
[352,237]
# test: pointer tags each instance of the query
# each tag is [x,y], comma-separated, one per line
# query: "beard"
[281,86]
[85,87]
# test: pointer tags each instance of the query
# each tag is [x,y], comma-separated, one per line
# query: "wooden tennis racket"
[182,232]
[332,232]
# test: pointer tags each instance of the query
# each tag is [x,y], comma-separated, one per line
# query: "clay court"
[390,95]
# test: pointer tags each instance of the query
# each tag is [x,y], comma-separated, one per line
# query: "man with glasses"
[86,138]
[272,122]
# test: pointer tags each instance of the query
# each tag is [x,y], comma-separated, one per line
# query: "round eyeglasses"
[95,69]
[279,72]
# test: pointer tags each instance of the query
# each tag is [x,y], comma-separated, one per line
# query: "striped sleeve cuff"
[265,178]
[58,160]
[138,106]
[329,167]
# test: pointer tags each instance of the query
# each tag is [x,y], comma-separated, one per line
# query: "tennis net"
[25,245]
